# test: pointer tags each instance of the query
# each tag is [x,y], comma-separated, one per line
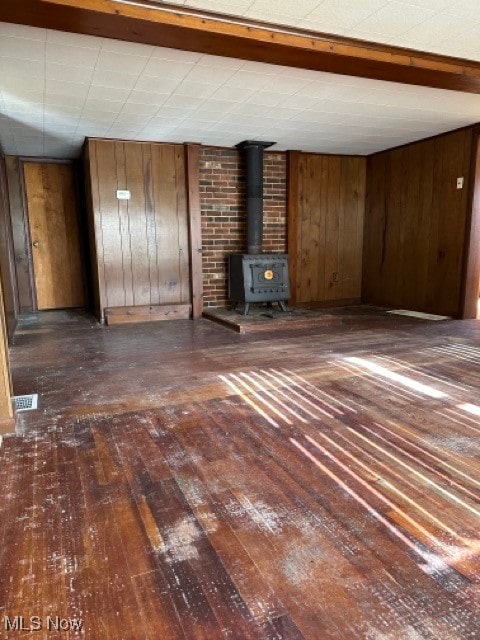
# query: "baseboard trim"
[148,313]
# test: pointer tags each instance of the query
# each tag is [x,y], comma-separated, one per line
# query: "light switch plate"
[123,194]
[459,183]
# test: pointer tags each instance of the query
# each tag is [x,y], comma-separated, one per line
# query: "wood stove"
[257,276]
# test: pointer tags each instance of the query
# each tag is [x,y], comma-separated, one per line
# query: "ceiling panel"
[426,25]
[65,87]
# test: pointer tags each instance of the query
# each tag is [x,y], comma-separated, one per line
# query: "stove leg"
[282,305]
[246,309]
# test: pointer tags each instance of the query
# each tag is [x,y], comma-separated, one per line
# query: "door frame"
[471,264]
[27,235]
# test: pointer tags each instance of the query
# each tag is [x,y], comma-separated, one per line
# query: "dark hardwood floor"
[181,481]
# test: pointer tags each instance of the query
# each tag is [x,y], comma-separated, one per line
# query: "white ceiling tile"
[22,48]
[111,94]
[156,85]
[14,85]
[184,102]
[248,80]
[343,12]
[160,68]
[88,118]
[146,97]
[75,56]
[437,28]
[195,89]
[18,68]
[73,39]
[209,75]
[93,105]
[394,18]
[219,62]
[22,31]
[139,109]
[66,73]
[286,85]
[265,98]
[63,99]
[299,102]
[216,106]
[248,109]
[114,79]
[112,61]
[130,48]
[130,121]
[176,55]
[229,93]
[57,87]
[464,9]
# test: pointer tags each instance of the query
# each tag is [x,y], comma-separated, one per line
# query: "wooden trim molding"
[192,157]
[471,271]
[7,416]
[210,33]
[293,158]
[148,313]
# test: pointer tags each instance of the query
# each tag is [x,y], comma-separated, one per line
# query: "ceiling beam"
[192,30]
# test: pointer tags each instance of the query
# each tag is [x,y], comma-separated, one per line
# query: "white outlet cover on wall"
[459,183]
[123,194]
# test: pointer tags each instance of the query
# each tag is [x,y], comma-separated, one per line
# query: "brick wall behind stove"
[222,195]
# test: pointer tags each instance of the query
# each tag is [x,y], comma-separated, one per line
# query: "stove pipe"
[254,191]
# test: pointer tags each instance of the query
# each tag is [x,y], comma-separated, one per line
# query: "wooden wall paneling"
[21,235]
[94,235]
[352,227]
[150,222]
[166,215]
[192,152]
[7,256]
[321,203]
[471,270]
[308,240]
[136,231]
[422,239]
[293,162]
[125,221]
[107,219]
[332,228]
[182,225]
[330,195]
[142,243]
[415,224]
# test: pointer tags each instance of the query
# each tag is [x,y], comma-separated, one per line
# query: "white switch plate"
[459,183]
[123,194]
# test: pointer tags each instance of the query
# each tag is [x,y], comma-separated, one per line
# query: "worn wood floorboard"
[180,481]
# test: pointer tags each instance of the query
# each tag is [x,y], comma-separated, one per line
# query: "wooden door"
[55,235]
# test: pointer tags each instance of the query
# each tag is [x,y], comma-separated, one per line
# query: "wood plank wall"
[7,258]
[325,227]
[140,246]
[21,234]
[415,224]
